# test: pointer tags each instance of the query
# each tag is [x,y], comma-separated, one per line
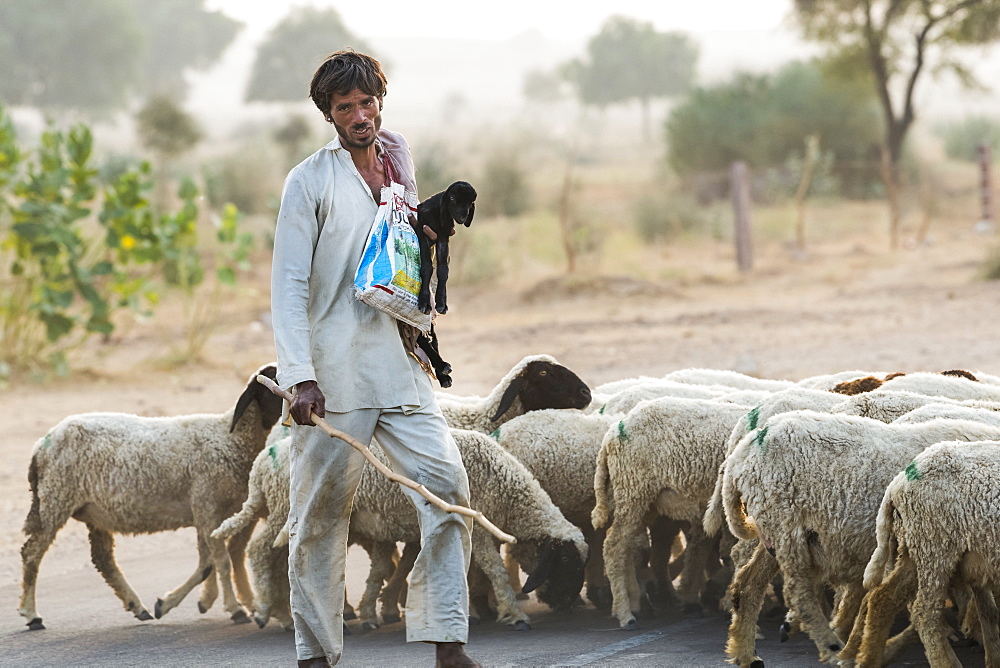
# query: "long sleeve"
[295,238]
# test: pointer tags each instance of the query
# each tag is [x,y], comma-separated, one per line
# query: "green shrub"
[250,178]
[503,188]
[665,216]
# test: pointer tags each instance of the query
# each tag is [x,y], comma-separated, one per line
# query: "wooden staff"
[388,473]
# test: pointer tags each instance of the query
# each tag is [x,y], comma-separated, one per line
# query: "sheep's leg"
[699,546]
[210,586]
[747,597]
[988,621]
[41,532]
[441,293]
[268,572]
[486,555]
[381,554]
[619,562]
[224,571]
[928,618]
[803,593]
[848,604]
[664,533]
[598,587]
[102,554]
[202,573]
[237,546]
[868,642]
[281,594]
[393,592]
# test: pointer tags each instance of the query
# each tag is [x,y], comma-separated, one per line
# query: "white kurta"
[372,388]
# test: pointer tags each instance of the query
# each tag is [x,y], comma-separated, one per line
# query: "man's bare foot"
[452,655]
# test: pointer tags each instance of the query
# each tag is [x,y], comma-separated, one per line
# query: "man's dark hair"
[344,71]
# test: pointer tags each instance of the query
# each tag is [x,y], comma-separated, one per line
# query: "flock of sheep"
[846,498]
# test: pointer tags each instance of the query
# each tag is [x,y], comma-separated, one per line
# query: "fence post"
[739,187]
[985,223]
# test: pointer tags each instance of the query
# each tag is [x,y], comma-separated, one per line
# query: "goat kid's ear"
[472,212]
[508,396]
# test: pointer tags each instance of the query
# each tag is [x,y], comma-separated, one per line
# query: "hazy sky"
[556,19]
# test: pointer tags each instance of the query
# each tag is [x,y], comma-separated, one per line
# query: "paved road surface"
[86,626]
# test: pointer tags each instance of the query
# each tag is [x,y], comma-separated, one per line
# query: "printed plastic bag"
[388,276]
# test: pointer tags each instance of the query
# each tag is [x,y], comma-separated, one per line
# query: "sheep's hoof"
[369,626]
[144,616]
[158,608]
[290,626]
[36,624]
[757,664]
[521,625]
[202,608]
[348,616]
[630,625]
[784,631]
[261,621]
[391,619]
[240,617]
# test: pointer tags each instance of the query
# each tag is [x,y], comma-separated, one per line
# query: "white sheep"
[812,483]
[734,379]
[559,448]
[626,399]
[122,473]
[663,454]
[937,519]
[501,488]
[536,382]
[942,385]
[828,381]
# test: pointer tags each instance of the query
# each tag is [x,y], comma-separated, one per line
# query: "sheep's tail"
[602,512]
[885,554]
[251,511]
[714,515]
[33,522]
[732,500]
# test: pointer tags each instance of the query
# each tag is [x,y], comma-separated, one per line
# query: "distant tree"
[98,55]
[293,49]
[896,41]
[543,87]
[764,119]
[963,138]
[292,134]
[182,36]
[630,60]
[167,130]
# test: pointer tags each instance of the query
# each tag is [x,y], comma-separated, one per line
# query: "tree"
[168,131]
[96,56]
[897,41]
[630,60]
[293,49]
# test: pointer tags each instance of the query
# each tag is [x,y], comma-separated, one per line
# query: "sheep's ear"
[546,560]
[508,397]
[472,212]
[252,393]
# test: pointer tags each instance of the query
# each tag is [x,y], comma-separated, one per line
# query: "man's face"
[357,117]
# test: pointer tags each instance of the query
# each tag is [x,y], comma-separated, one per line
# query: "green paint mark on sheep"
[48,441]
[761,435]
[622,434]
[272,452]
[601,412]
[496,434]
[912,472]
[752,417]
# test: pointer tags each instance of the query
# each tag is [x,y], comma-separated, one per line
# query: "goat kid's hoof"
[630,625]
[784,632]
[240,617]
[369,626]
[348,616]
[36,624]
[441,308]
[522,625]
[391,619]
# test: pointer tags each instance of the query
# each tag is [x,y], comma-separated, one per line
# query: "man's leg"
[324,474]
[419,446]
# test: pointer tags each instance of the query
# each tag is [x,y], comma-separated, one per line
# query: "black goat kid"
[441,212]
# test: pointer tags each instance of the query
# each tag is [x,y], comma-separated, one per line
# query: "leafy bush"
[249,178]
[665,216]
[962,138]
[503,188]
